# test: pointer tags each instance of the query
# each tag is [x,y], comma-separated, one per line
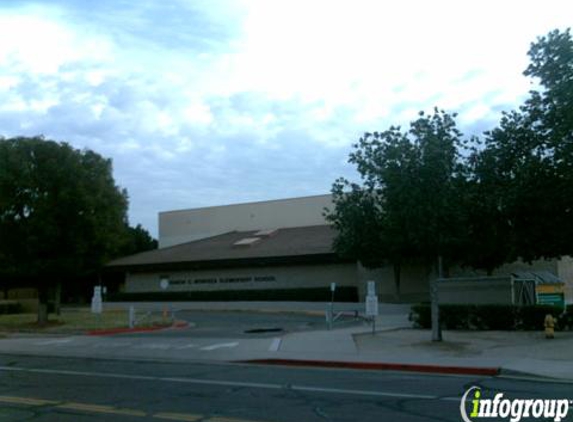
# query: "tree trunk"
[58,298]
[43,305]
[397,275]
[436,328]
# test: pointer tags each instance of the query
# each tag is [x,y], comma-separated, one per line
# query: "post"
[329,316]
[131,317]
[332,290]
[436,329]
[371,304]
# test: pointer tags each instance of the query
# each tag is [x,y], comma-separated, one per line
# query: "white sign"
[371,305]
[332,287]
[371,288]
[164,283]
[96,301]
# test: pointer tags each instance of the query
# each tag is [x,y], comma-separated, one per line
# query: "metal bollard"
[329,316]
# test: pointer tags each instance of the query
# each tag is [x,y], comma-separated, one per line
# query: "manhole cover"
[263,330]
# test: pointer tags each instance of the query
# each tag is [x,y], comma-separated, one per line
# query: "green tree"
[137,239]
[407,206]
[526,167]
[61,213]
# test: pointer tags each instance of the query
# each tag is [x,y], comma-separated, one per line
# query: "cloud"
[211,102]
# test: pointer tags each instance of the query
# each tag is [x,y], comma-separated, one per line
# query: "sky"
[214,102]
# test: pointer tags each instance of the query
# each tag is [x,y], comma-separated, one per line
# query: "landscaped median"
[82,321]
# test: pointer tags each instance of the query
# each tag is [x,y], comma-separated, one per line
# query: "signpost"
[330,313]
[372,304]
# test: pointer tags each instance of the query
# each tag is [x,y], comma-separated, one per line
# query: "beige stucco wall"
[414,284]
[565,273]
[177,227]
[272,277]
[488,290]
[507,269]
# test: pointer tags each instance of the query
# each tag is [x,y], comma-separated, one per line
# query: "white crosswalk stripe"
[219,346]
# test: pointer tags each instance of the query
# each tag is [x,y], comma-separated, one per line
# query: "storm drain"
[263,330]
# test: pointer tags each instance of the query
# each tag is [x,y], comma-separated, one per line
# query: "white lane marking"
[50,342]
[186,346]
[363,392]
[153,346]
[267,386]
[275,345]
[109,345]
[536,379]
[219,346]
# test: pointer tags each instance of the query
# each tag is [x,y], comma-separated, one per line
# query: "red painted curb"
[437,369]
[112,331]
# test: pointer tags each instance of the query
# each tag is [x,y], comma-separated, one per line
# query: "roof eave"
[308,259]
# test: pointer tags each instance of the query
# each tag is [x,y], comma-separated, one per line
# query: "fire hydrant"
[549,326]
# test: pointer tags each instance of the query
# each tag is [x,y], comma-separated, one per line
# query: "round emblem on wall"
[164,283]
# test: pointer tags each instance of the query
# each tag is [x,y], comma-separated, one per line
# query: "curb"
[112,331]
[436,369]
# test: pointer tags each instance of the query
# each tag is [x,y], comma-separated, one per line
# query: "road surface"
[78,389]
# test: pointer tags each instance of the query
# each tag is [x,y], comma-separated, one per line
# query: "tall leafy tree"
[527,162]
[137,239]
[61,213]
[508,198]
[407,208]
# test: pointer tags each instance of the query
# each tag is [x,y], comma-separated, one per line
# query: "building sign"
[371,300]
[220,280]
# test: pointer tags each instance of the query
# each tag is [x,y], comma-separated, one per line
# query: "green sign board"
[555,299]
[550,294]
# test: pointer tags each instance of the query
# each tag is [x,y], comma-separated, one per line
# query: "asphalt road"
[218,324]
[77,390]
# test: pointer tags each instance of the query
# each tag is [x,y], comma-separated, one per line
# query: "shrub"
[10,307]
[421,315]
[491,317]
[532,317]
[565,320]
[455,317]
[494,317]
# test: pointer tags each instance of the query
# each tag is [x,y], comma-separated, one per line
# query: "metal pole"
[131,317]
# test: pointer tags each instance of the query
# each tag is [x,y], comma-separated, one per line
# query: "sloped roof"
[540,277]
[311,241]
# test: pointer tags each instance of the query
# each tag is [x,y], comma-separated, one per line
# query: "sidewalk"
[512,353]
